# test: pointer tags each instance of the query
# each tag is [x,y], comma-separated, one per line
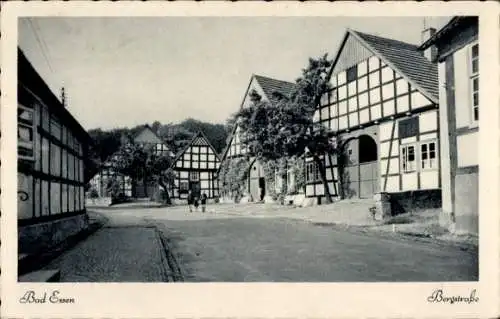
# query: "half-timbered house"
[383,111]
[145,137]
[52,157]
[456,48]
[195,169]
[256,185]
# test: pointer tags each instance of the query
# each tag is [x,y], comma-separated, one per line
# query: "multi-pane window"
[408,158]
[194,176]
[428,155]
[312,172]
[474,79]
[25,132]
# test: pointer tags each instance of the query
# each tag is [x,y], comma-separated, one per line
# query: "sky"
[126,71]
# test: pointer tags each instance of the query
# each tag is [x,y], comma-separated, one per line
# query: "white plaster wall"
[467,149]
[429,180]
[462,87]
[428,121]
[409,181]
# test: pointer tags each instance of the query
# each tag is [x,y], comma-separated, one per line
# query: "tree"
[143,163]
[286,128]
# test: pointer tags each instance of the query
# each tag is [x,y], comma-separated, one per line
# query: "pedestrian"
[196,203]
[203,202]
[190,201]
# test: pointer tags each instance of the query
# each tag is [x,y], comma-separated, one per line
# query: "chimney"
[431,52]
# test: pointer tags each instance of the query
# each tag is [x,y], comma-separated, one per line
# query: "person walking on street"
[190,201]
[203,202]
[196,203]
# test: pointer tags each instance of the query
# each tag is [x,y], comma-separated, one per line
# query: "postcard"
[250,159]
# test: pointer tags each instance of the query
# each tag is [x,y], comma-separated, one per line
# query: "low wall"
[412,201]
[41,236]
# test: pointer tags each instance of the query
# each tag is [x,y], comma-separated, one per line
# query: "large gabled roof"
[269,86]
[404,58]
[198,139]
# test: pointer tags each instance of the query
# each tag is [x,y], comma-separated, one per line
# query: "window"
[428,155]
[25,132]
[408,159]
[474,78]
[352,73]
[55,127]
[184,186]
[194,176]
[312,172]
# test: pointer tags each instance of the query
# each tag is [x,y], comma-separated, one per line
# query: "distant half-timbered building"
[383,110]
[456,48]
[256,186]
[145,137]
[195,169]
[52,157]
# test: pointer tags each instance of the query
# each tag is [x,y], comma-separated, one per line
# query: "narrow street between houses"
[253,243]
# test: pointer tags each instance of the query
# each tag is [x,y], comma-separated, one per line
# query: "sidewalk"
[354,216]
[115,253]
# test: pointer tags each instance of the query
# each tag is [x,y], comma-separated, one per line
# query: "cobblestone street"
[249,244]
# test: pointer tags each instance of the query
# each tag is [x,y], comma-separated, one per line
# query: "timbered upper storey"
[267,88]
[375,79]
[199,154]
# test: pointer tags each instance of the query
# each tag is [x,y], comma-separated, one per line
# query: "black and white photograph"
[248,149]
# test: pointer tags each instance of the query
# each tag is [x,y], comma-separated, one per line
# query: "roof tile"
[408,59]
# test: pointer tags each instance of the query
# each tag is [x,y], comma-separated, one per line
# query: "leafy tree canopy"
[286,128]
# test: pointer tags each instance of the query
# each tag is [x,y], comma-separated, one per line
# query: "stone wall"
[42,236]
[412,201]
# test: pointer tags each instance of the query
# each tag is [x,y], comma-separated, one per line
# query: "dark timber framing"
[386,89]
[54,173]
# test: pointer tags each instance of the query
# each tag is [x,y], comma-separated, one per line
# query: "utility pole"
[63,97]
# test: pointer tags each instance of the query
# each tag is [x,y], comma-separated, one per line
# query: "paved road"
[235,245]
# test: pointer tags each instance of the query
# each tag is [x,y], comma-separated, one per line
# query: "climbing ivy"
[232,176]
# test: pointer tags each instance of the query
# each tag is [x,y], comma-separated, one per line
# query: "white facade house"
[383,111]
[456,50]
